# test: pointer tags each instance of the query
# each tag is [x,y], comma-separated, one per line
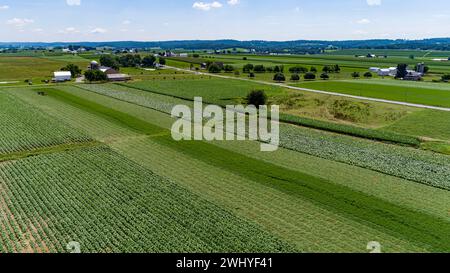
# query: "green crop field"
[96,163]
[203,196]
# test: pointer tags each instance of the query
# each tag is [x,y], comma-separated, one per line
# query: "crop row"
[154,101]
[109,204]
[24,127]
[408,163]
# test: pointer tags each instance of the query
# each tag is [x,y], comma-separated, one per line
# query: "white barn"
[62,76]
[384,72]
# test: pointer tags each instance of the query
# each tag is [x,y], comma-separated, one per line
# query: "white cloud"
[38,30]
[19,22]
[364,21]
[126,22]
[207,6]
[98,30]
[233,2]
[69,30]
[73,2]
[374,2]
[5,7]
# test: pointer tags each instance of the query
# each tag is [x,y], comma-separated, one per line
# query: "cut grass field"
[35,68]
[407,93]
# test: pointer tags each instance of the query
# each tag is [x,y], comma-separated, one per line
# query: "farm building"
[384,72]
[374,69]
[108,70]
[413,76]
[393,71]
[112,74]
[93,65]
[118,77]
[62,76]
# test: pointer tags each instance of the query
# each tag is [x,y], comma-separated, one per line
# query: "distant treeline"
[300,46]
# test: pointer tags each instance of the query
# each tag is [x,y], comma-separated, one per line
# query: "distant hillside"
[294,46]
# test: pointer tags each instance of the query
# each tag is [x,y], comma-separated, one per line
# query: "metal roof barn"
[62,76]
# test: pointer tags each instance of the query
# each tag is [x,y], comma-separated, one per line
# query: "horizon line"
[226,39]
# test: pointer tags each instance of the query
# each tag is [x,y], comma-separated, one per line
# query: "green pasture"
[403,93]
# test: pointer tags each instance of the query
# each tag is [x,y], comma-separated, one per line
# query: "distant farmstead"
[62,76]
[112,74]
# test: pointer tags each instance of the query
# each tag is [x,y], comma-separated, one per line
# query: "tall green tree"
[149,61]
[402,71]
[74,69]
[279,77]
[109,61]
[257,98]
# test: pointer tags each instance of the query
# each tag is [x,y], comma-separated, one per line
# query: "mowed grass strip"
[427,231]
[426,96]
[47,150]
[110,114]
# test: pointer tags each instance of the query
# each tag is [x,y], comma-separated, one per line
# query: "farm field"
[347,63]
[391,52]
[403,93]
[298,208]
[96,164]
[363,114]
[34,68]
[411,164]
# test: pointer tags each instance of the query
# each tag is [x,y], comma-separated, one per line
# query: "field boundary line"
[47,150]
[316,91]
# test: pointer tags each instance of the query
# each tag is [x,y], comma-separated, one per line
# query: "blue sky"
[144,20]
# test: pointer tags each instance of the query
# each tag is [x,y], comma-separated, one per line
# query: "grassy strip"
[105,112]
[371,134]
[47,150]
[351,130]
[426,230]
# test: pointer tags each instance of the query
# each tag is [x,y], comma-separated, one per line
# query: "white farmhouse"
[62,76]
[374,69]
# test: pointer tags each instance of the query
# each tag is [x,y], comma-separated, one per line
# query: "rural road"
[313,90]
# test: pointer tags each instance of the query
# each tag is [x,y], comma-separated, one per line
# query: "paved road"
[315,91]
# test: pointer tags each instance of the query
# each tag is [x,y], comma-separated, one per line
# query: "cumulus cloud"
[5,7]
[373,2]
[73,2]
[69,30]
[233,2]
[207,6]
[364,21]
[98,30]
[19,22]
